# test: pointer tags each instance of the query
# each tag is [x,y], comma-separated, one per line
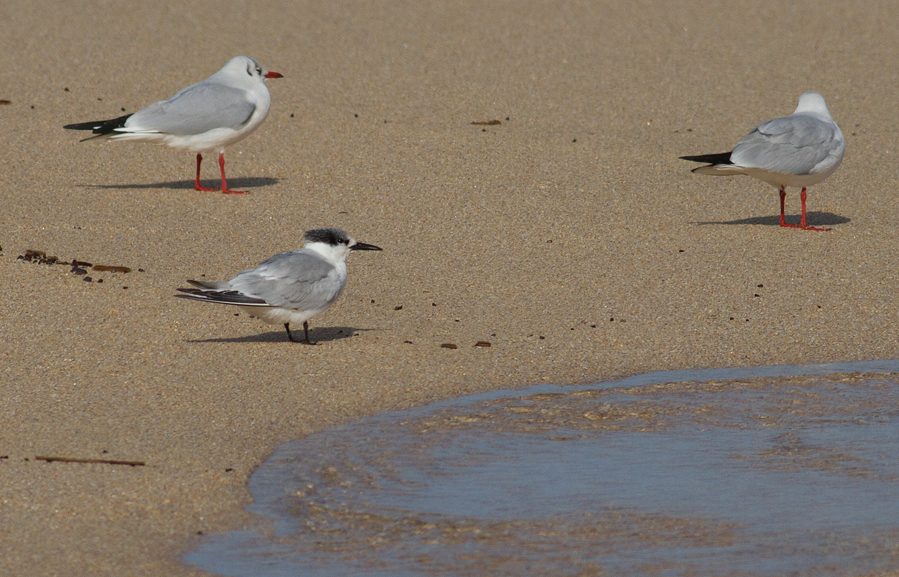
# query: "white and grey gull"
[290,287]
[205,117]
[799,150]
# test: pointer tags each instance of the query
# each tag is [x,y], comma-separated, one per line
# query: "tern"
[290,287]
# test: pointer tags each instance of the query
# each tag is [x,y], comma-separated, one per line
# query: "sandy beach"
[569,235]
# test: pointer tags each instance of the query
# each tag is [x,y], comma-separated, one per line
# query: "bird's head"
[333,243]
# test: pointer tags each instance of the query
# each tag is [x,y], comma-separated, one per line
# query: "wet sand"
[569,236]
[744,476]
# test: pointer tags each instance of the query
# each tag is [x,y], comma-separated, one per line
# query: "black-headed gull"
[290,287]
[205,117]
[798,150]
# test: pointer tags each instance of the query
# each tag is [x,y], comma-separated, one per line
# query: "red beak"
[273,75]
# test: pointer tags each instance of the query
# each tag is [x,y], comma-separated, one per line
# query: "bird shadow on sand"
[316,335]
[233,183]
[812,219]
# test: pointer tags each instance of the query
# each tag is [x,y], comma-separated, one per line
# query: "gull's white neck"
[813,103]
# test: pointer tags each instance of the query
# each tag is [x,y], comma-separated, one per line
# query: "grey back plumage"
[796,144]
[292,280]
[194,110]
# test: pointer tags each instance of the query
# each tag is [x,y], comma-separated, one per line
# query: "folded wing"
[293,280]
[194,110]
[795,145]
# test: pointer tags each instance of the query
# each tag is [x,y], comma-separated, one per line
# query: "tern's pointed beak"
[363,246]
[274,75]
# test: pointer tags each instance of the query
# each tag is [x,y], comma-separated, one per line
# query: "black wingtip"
[223,297]
[720,158]
[100,126]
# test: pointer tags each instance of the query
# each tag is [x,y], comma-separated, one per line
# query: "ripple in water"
[756,472]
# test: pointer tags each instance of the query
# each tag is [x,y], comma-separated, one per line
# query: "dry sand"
[533,235]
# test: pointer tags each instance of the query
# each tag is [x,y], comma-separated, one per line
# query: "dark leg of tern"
[225,188]
[197,185]
[289,336]
[306,330]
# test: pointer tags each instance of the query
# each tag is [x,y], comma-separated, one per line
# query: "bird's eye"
[259,71]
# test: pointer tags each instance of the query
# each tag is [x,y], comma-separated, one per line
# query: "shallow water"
[764,471]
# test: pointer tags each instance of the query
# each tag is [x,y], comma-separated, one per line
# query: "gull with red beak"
[205,117]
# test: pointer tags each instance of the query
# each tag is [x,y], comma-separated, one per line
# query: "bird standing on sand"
[290,287]
[798,150]
[204,118]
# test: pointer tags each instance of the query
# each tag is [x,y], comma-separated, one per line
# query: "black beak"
[363,246]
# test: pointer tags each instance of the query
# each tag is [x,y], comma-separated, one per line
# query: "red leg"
[783,222]
[225,188]
[197,185]
[804,226]
[802,196]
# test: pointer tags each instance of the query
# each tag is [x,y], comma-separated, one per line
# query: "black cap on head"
[332,236]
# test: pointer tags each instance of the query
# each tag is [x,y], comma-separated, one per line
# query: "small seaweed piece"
[95,461]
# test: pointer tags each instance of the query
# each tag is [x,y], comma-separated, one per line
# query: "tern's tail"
[100,127]
[214,285]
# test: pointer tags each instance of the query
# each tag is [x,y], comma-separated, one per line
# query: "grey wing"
[790,145]
[194,110]
[294,280]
